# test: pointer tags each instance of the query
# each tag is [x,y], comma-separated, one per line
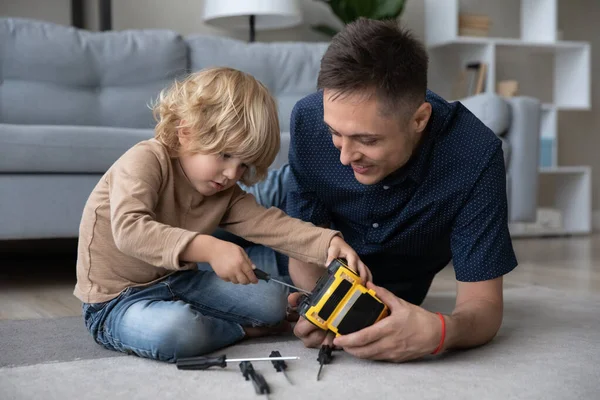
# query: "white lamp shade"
[269,14]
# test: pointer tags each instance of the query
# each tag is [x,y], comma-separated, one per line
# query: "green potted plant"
[350,10]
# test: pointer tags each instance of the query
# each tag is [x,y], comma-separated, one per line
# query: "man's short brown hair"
[376,57]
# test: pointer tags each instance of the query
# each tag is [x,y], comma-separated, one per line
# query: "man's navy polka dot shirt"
[447,203]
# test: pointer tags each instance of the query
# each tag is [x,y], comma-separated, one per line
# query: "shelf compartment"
[446,65]
[533,21]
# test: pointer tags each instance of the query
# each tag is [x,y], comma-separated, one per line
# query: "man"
[412,181]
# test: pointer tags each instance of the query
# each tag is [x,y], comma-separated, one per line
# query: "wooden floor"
[35,287]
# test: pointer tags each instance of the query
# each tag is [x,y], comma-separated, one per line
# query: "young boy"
[149,220]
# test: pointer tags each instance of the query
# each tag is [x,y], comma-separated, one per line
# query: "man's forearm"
[305,275]
[472,324]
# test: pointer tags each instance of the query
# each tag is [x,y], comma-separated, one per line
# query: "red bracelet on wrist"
[441,345]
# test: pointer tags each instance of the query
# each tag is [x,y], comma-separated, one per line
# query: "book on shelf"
[473,25]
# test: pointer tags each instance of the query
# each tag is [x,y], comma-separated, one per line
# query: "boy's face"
[374,145]
[210,174]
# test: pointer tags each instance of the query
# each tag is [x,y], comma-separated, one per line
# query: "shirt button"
[375,225]
[386,187]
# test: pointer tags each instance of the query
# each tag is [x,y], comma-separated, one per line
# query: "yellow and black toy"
[340,303]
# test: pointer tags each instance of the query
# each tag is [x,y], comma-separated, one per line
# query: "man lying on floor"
[410,180]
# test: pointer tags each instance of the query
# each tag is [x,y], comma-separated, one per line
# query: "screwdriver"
[324,357]
[280,366]
[260,384]
[197,363]
[260,274]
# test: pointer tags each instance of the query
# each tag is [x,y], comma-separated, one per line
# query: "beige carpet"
[548,348]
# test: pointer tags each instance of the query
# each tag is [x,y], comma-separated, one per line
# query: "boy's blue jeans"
[191,313]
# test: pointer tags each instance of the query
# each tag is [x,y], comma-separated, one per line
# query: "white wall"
[57,11]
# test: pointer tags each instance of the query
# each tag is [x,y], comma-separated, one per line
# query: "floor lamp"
[252,15]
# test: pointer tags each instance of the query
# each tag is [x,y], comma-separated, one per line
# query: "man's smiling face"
[373,144]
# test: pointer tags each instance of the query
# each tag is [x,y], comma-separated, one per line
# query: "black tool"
[197,363]
[262,275]
[280,365]
[325,357]
[260,384]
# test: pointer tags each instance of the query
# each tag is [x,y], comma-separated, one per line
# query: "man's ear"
[421,117]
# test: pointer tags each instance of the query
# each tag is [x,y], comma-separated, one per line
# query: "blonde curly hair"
[224,111]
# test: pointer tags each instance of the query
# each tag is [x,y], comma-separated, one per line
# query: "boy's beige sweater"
[144,212]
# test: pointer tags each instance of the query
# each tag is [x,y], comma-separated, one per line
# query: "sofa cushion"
[57,75]
[64,149]
[289,70]
[493,110]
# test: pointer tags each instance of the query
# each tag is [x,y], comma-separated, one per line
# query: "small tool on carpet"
[199,363]
[260,384]
[325,357]
[280,365]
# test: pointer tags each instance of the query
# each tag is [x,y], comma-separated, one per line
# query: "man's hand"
[311,335]
[338,248]
[409,332]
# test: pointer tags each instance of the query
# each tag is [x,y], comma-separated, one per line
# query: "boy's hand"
[338,248]
[231,263]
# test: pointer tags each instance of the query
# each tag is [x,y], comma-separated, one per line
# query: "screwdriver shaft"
[291,286]
[261,359]
[287,377]
[260,274]
[319,373]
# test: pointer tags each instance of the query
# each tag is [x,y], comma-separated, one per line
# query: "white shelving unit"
[523,45]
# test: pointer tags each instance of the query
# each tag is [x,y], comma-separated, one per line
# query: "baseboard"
[38,247]
[596,221]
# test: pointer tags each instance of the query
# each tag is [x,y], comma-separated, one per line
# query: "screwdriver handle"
[279,365]
[325,354]
[262,275]
[260,384]
[247,369]
[198,363]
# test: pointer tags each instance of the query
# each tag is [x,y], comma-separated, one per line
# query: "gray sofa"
[71,102]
